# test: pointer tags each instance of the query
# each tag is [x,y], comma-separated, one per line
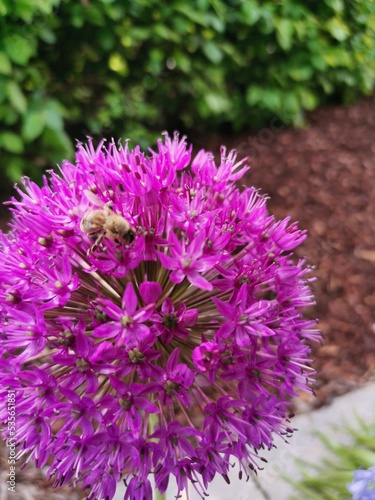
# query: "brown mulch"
[323,175]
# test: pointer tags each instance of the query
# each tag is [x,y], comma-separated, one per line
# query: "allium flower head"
[151,319]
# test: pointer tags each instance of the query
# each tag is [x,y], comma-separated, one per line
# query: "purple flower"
[189,262]
[131,405]
[363,485]
[128,325]
[206,358]
[177,379]
[137,489]
[150,320]
[243,321]
[169,323]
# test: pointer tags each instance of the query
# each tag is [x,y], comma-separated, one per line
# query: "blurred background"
[290,84]
[131,69]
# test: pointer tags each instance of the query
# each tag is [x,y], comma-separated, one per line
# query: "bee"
[104,223]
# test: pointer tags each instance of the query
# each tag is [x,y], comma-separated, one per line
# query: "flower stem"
[158,495]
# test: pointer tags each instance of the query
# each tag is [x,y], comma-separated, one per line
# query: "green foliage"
[327,480]
[71,68]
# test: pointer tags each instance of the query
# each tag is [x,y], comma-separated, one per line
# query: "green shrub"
[72,68]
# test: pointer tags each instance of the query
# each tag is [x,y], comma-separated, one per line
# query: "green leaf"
[23,9]
[163,32]
[198,17]
[16,97]
[48,36]
[327,85]
[216,22]
[3,8]
[338,29]
[33,125]
[250,12]
[318,61]
[220,9]
[368,80]
[57,144]
[18,48]
[183,62]
[11,142]
[95,15]
[271,99]
[115,12]
[118,64]
[212,52]
[291,105]
[106,40]
[336,5]
[300,73]
[217,103]
[53,115]
[338,56]
[284,33]
[14,168]
[5,64]
[254,95]
[309,100]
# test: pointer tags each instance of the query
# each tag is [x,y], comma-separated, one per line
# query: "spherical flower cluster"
[150,319]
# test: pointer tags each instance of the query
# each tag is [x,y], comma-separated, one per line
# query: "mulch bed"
[323,175]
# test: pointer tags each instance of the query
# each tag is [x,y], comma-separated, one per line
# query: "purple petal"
[166,261]
[197,280]
[129,300]
[173,360]
[109,486]
[190,317]
[242,337]
[150,291]
[196,246]
[111,309]
[167,306]
[176,247]
[68,393]
[146,405]
[225,309]
[91,382]
[226,330]
[107,330]
[82,345]
[177,276]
